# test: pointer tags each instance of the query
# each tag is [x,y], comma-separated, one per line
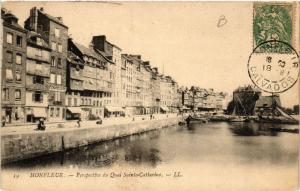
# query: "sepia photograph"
[150,95]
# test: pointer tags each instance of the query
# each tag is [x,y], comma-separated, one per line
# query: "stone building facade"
[55,33]
[37,77]
[13,69]
[45,74]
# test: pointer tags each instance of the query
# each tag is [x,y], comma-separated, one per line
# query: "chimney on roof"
[155,69]
[99,42]
[137,56]
[60,19]
[31,22]
[42,9]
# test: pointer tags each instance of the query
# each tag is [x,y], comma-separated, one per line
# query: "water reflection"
[252,129]
[207,144]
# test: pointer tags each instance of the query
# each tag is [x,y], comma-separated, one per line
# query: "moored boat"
[237,119]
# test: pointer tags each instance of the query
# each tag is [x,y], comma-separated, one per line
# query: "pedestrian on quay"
[41,125]
[78,121]
[3,121]
[188,119]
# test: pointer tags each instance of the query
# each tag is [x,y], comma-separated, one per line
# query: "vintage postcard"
[114,96]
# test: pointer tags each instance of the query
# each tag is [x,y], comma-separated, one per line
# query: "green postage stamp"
[273,66]
[273,21]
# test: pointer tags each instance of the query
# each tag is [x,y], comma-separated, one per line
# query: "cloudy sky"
[182,37]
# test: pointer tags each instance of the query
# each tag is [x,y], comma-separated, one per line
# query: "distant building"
[266,105]
[146,93]
[113,53]
[201,99]
[128,84]
[137,84]
[98,83]
[155,91]
[75,80]
[13,69]
[166,94]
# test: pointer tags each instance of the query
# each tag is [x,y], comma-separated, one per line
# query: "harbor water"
[208,157]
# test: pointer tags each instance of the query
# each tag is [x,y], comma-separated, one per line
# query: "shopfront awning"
[114,109]
[74,109]
[164,108]
[39,112]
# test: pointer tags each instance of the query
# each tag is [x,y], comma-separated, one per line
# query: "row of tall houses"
[200,99]
[45,73]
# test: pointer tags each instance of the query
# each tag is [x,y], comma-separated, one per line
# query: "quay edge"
[16,147]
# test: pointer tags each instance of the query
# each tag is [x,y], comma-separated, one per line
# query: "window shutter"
[34,79]
[33,96]
[41,97]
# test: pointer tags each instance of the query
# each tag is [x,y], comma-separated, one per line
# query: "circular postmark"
[274,71]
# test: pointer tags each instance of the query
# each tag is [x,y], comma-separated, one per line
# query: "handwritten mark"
[222,21]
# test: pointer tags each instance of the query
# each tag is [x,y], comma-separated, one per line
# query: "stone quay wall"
[16,146]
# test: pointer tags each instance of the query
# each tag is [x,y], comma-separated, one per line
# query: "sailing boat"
[277,115]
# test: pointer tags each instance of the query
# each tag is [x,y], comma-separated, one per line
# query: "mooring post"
[62,144]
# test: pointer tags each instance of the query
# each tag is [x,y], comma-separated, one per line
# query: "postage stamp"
[273,21]
[273,72]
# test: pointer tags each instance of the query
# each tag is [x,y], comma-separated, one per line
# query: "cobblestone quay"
[18,146]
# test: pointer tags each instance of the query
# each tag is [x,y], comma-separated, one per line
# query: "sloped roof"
[54,19]
[267,101]
[89,51]
[247,88]
[73,58]
[7,15]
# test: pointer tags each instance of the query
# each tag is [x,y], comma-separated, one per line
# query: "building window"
[56,32]
[57,96]
[18,76]
[18,58]
[9,38]
[17,94]
[37,97]
[5,94]
[51,112]
[9,75]
[38,80]
[59,48]
[9,56]
[58,79]
[53,61]
[75,101]
[19,41]
[53,46]
[52,78]
[57,112]
[69,101]
[59,63]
